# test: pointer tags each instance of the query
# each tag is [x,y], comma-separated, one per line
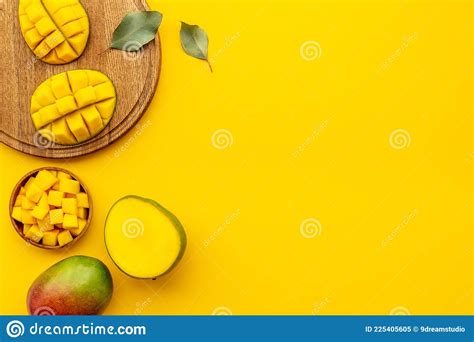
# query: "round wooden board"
[135,77]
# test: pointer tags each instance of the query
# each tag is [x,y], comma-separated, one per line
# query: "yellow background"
[310,139]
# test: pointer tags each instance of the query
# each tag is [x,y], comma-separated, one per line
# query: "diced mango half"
[74,106]
[56,31]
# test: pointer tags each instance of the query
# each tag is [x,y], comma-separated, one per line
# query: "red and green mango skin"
[77,285]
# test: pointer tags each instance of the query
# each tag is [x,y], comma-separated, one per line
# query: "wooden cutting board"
[135,76]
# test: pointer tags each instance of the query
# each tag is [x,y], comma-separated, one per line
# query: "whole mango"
[78,285]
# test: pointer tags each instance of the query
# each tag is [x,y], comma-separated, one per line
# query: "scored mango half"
[55,30]
[74,106]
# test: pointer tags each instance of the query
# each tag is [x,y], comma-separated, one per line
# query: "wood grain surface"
[135,76]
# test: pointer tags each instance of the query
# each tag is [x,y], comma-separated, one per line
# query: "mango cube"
[62,134]
[78,126]
[43,202]
[77,78]
[65,51]
[85,96]
[69,186]
[42,209]
[28,183]
[44,225]
[54,39]
[26,227]
[45,180]
[82,200]
[92,119]
[63,175]
[18,201]
[56,216]
[34,234]
[39,212]
[34,192]
[55,198]
[104,91]
[69,206]
[77,231]
[60,86]
[45,26]
[27,217]
[50,238]
[16,213]
[82,213]
[22,191]
[64,237]
[27,204]
[70,221]
[66,105]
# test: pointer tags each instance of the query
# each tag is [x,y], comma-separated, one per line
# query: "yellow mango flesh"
[55,30]
[46,219]
[74,106]
[143,240]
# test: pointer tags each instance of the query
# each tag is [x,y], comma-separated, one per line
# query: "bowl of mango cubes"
[50,208]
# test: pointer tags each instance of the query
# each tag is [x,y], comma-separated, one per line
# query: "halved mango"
[56,31]
[143,239]
[73,106]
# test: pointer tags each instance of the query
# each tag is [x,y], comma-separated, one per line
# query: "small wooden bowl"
[19,227]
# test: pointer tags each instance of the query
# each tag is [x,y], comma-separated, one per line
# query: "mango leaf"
[195,42]
[136,30]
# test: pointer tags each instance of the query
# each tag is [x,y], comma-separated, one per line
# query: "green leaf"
[195,42]
[136,30]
